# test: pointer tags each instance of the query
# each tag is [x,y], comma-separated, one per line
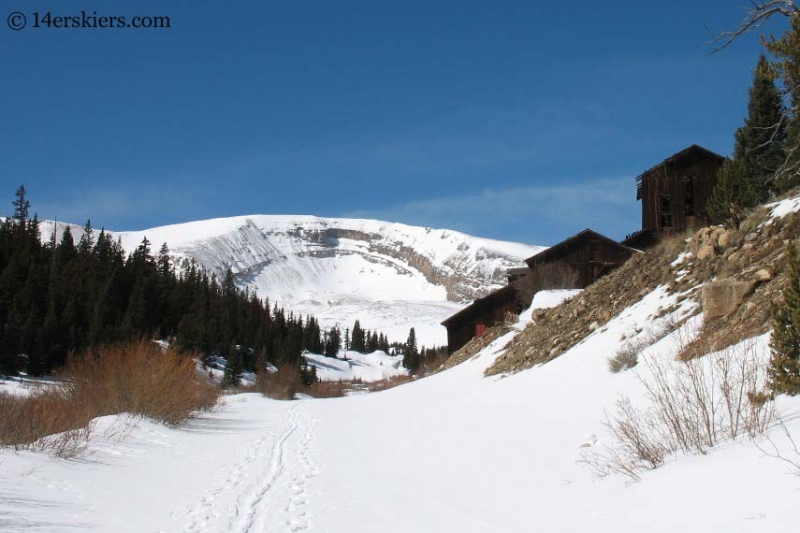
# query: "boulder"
[724,297]
[763,274]
[724,239]
[705,252]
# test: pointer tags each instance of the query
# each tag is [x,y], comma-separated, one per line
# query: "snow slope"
[373,366]
[390,276]
[453,452]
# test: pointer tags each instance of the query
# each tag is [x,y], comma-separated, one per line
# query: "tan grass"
[136,378]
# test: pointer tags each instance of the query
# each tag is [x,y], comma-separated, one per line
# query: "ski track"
[256,481]
[297,518]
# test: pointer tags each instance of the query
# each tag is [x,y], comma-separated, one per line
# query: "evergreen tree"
[759,142]
[21,206]
[358,341]
[308,373]
[786,49]
[784,368]
[411,359]
[334,342]
[733,188]
[86,243]
[234,368]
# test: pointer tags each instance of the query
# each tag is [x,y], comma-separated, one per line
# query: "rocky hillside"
[732,275]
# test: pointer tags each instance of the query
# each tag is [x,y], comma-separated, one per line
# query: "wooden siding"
[481,314]
[674,193]
[589,254]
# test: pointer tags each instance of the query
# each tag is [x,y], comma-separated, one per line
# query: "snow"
[682,257]
[365,367]
[783,207]
[545,299]
[365,273]
[456,451]
[22,385]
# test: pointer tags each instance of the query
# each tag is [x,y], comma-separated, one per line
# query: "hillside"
[691,269]
[390,276]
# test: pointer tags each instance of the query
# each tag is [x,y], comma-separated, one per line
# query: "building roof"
[557,250]
[478,301]
[687,156]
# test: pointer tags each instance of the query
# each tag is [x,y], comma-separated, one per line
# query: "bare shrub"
[28,419]
[136,378]
[141,379]
[790,457]
[692,406]
[282,384]
[625,358]
[389,383]
[335,389]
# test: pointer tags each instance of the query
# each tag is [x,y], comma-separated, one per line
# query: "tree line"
[60,297]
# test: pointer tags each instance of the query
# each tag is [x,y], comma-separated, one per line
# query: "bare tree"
[757,14]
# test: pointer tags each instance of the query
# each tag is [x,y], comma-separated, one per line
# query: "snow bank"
[366,367]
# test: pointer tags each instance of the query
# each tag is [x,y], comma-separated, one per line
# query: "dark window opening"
[688,191]
[665,211]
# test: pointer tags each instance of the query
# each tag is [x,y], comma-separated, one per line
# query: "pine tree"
[759,142]
[234,368]
[411,359]
[784,368]
[733,188]
[21,206]
[786,49]
[358,342]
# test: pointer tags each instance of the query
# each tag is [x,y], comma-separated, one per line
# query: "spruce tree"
[234,368]
[759,142]
[784,368]
[733,188]
[411,359]
[21,206]
[786,49]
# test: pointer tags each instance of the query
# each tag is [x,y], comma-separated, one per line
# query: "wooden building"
[674,192]
[571,264]
[483,313]
[579,261]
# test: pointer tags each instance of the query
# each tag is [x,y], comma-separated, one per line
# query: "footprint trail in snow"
[266,489]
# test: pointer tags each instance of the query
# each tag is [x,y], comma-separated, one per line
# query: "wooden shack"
[483,313]
[579,261]
[674,193]
[571,264]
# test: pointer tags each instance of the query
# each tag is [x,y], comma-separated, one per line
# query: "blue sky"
[516,120]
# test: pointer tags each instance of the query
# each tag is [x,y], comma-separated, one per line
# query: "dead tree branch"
[757,14]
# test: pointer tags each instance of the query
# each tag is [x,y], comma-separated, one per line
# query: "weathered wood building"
[573,263]
[674,193]
[581,260]
[483,313]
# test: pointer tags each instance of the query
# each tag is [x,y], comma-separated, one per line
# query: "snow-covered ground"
[22,385]
[452,452]
[373,366]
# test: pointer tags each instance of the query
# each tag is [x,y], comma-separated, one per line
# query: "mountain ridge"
[389,275]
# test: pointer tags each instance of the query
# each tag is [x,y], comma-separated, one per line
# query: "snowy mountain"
[390,276]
